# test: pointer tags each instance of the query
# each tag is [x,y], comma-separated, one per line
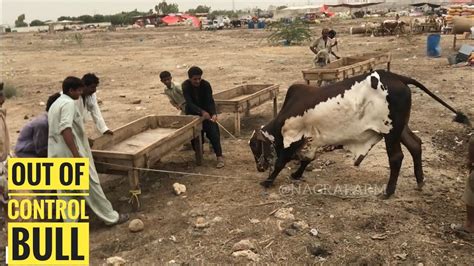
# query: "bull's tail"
[460,117]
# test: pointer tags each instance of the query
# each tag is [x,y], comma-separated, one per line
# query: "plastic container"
[433,48]
[251,25]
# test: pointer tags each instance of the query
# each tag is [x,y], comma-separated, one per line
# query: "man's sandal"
[122,219]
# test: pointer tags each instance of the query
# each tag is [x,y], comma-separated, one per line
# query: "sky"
[52,9]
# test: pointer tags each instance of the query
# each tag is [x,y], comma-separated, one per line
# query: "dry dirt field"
[337,199]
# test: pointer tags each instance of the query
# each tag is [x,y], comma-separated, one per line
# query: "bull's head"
[262,149]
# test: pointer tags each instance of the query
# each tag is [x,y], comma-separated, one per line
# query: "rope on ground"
[166,171]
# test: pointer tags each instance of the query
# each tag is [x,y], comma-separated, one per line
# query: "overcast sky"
[52,9]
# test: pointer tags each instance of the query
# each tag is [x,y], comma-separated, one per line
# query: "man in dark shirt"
[199,101]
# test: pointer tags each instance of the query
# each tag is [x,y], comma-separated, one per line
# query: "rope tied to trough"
[166,171]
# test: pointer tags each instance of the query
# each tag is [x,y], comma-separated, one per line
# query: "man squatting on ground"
[199,101]
[173,92]
[67,139]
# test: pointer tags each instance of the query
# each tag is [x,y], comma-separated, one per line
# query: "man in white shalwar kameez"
[67,138]
[88,104]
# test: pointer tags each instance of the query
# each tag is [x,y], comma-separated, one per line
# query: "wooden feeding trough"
[142,143]
[379,58]
[243,98]
[338,70]
[346,67]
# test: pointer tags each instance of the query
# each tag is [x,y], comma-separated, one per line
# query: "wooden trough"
[142,143]
[243,98]
[346,67]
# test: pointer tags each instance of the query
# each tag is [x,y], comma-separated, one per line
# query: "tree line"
[126,18]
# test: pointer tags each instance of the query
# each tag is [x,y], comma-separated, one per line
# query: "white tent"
[295,11]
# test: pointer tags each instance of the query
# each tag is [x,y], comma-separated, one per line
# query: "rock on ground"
[115,261]
[285,214]
[243,245]
[136,225]
[179,188]
[248,254]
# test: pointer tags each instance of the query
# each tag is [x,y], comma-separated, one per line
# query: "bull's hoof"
[296,177]
[387,195]
[420,186]
[266,183]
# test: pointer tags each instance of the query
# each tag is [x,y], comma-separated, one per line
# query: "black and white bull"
[355,113]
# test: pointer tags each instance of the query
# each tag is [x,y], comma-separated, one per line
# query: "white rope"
[226,130]
[166,171]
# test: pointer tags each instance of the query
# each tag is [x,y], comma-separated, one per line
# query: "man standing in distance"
[199,101]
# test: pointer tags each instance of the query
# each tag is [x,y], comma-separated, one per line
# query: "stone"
[274,196]
[122,96]
[217,219]
[314,232]
[318,250]
[254,221]
[115,261]
[201,223]
[244,244]
[248,254]
[284,214]
[179,188]
[300,225]
[136,225]
[137,102]
[291,232]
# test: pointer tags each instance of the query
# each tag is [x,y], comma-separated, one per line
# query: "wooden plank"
[168,138]
[159,150]
[237,124]
[122,133]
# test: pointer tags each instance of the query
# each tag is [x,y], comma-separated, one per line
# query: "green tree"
[86,18]
[165,8]
[62,18]
[99,18]
[294,32]
[37,22]
[20,21]
[200,9]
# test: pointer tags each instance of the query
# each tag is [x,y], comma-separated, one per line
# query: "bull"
[354,114]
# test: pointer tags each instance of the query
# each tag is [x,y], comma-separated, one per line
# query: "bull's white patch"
[355,121]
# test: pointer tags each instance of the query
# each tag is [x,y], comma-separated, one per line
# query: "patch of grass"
[10,91]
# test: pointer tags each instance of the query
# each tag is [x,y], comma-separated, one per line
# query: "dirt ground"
[337,199]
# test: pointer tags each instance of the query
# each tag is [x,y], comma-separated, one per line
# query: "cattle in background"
[236,23]
[355,113]
[373,28]
[393,27]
